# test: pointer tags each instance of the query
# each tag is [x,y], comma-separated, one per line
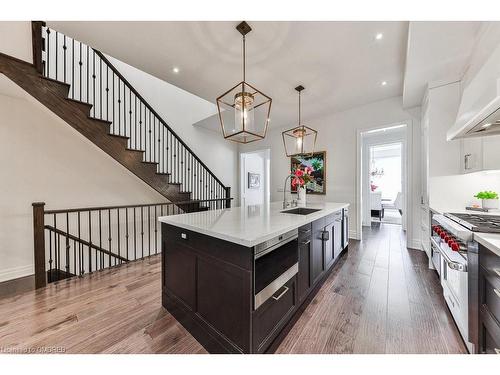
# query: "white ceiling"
[438,53]
[340,64]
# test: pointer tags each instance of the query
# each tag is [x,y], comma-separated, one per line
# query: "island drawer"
[489,333]
[270,317]
[490,293]
[490,261]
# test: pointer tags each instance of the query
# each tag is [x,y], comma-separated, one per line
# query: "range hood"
[479,111]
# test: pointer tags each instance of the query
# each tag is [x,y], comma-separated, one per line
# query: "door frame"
[267,174]
[407,183]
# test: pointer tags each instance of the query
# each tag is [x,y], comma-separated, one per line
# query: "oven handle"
[453,265]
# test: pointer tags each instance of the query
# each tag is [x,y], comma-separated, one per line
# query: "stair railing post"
[37,44]
[228,197]
[39,244]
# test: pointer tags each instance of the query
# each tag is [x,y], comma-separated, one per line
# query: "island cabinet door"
[304,275]
[317,262]
[328,242]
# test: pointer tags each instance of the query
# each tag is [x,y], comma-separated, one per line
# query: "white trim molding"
[16,272]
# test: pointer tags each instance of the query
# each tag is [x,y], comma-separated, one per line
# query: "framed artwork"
[253,180]
[318,162]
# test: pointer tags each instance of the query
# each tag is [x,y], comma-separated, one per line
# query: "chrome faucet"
[285,203]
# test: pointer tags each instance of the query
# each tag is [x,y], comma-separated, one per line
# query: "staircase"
[81,86]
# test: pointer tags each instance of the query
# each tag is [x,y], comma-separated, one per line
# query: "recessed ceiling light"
[379,36]
[486,125]
[175,69]
[384,83]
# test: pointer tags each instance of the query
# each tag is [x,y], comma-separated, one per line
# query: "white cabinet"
[491,152]
[471,155]
[480,154]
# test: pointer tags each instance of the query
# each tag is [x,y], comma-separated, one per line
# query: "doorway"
[383,172]
[386,182]
[254,177]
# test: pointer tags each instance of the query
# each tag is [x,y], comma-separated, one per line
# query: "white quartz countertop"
[488,240]
[249,225]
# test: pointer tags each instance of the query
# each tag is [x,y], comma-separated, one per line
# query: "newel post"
[228,197]
[39,244]
[37,44]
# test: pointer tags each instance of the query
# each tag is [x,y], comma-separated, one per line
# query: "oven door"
[274,269]
[455,287]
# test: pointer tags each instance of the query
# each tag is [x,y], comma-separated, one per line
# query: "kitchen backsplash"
[458,190]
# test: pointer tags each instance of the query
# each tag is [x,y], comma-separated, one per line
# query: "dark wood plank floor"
[380,298]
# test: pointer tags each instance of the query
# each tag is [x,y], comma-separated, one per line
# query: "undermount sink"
[301,211]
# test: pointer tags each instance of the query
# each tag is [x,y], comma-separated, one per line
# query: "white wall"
[337,136]
[181,109]
[15,39]
[457,192]
[44,159]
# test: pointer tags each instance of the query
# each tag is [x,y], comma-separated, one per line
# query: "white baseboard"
[16,272]
[415,244]
[354,235]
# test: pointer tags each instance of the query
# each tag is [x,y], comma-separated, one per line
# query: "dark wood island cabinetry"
[239,299]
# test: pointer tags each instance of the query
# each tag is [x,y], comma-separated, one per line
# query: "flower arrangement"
[302,176]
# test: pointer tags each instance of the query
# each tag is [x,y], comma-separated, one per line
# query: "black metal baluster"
[72,68]
[100,240]
[93,85]
[149,230]
[90,243]
[142,231]
[56,53]
[126,231]
[135,236]
[135,122]
[113,95]
[109,237]
[88,65]
[67,243]
[130,117]
[100,89]
[48,69]
[107,92]
[50,255]
[119,109]
[80,63]
[156,232]
[65,47]
[80,247]
[118,222]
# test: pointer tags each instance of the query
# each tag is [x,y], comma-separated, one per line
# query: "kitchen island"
[238,278]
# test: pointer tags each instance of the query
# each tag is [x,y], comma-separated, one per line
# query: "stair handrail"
[86,243]
[146,104]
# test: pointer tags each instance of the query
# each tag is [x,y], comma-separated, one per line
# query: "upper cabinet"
[440,112]
[480,154]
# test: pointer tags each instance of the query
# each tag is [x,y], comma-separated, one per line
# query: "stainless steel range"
[477,222]
[453,250]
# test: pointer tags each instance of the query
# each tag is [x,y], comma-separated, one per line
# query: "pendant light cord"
[299,108]
[244,57]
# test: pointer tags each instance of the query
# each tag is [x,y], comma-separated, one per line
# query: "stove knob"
[455,246]
[442,234]
[438,230]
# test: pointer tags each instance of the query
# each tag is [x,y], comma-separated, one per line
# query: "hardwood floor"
[380,298]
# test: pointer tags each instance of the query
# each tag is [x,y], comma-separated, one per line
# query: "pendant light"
[244,110]
[300,140]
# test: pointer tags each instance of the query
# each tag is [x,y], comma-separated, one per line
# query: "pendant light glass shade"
[244,110]
[300,140]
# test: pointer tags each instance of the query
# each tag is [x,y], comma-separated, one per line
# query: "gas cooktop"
[477,222]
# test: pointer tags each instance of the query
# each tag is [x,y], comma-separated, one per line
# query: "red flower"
[299,173]
[297,181]
[309,170]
